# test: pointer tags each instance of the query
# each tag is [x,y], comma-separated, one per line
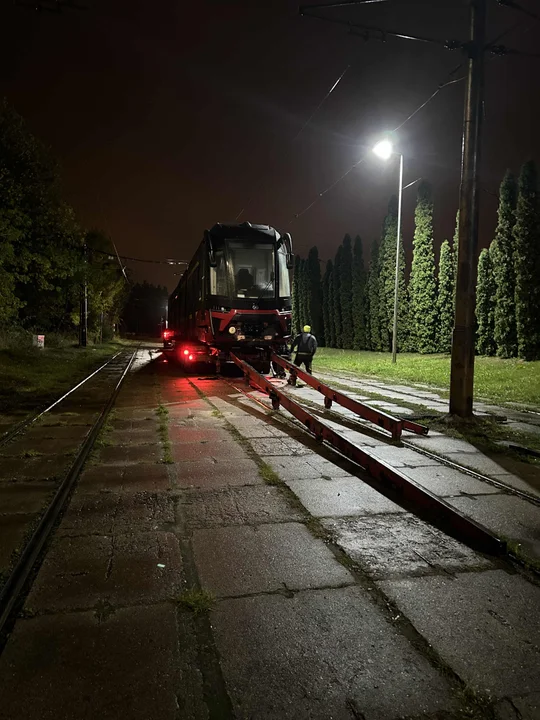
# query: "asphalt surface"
[323,599]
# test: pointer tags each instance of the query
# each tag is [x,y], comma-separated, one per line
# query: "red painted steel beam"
[392,424]
[433,508]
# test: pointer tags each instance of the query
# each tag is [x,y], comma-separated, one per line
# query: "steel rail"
[420,500]
[391,423]
[535,500]
[18,578]
[10,434]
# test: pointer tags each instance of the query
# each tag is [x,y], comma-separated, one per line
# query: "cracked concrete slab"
[142,477]
[341,496]
[105,513]
[397,545]
[321,654]
[245,560]
[254,504]
[485,625]
[80,666]
[212,473]
[79,572]
[525,707]
[400,457]
[446,481]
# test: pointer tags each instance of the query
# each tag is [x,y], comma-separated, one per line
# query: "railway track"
[429,507]
[31,526]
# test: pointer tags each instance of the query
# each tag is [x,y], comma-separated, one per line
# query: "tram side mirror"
[211,257]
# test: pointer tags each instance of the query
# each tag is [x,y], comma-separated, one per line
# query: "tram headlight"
[232,330]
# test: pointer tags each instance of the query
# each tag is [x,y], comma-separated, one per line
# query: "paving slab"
[76,667]
[442,444]
[446,481]
[507,515]
[477,461]
[341,496]
[194,435]
[227,449]
[124,454]
[320,655]
[254,504]
[25,497]
[485,625]
[149,477]
[42,446]
[211,473]
[105,513]
[80,572]
[525,707]
[301,468]
[245,559]
[400,457]
[284,446]
[398,545]
[13,529]
[35,468]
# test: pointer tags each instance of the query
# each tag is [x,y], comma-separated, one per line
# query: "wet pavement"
[34,462]
[322,598]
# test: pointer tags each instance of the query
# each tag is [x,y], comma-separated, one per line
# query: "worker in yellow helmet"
[305,345]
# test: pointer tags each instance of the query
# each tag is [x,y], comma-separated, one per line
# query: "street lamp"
[384,149]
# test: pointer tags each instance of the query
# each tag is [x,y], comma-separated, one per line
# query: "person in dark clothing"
[305,345]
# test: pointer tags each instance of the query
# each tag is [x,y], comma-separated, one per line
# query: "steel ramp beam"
[417,498]
[392,424]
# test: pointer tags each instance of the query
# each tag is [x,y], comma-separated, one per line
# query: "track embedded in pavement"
[19,575]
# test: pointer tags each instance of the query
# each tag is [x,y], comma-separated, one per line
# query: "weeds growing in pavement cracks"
[268,475]
[163,432]
[31,453]
[197,601]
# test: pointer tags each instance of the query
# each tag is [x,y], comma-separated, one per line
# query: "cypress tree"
[385,308]
[485,306]
[336,299]
[423,288]
[331,339]
[373,299]
[527,264]
[445,297]
[326,294]
[358,296]
[315,294]
[296,296]
[502,258]
[387,283]
[345,293]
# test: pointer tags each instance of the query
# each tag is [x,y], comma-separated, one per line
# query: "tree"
[445,298]
[387,282]
[485,305]
[345,293]
[502,258]
[422,284]
[373,299]
[527,264]
[359,296]
[336,298]
[315,294]
[328,286]
[296,296]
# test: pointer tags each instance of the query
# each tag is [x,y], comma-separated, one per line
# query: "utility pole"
[463,339]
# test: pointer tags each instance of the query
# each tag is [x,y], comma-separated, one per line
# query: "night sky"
[170,116]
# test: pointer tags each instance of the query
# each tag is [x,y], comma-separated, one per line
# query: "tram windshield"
[253,268]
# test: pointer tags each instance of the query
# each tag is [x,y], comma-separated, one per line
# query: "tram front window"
[254,269]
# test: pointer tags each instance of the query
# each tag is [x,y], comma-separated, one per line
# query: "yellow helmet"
[307,328]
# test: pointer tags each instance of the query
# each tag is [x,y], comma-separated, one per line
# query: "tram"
[235,296]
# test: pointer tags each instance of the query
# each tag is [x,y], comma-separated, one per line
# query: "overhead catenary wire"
[295,138]
[489,46]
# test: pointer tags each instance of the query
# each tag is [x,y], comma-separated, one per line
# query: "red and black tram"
[235,296]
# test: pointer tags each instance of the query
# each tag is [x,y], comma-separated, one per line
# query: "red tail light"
[167,334]
[186,352]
